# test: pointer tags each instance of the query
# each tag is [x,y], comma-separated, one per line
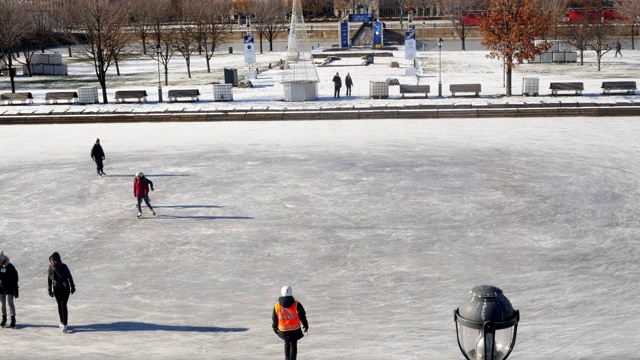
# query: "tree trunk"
[509,73]
[69,48]
[103,84]
[188,60]
[117,66]
[166,75]
[11,75]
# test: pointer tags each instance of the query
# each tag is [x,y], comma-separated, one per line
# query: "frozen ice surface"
[381,227]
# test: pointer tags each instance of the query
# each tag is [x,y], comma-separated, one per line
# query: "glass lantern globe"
[486,324]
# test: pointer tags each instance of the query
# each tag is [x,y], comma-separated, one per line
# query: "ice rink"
[380,227]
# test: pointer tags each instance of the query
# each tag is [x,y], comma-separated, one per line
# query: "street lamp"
[440,42]
[158,53]
[486,324]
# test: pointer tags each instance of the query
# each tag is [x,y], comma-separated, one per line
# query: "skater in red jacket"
[141,187]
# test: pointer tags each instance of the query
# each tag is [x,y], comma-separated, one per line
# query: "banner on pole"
[249,50]
[410,45]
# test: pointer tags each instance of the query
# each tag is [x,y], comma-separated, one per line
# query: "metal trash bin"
[222,92]
[369,59]
[530,86]
[231,76]
[378,89]
[88,94]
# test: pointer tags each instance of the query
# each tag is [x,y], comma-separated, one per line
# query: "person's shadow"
[128,326]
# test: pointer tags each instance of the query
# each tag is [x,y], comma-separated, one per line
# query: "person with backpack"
[60,285]
[8,289]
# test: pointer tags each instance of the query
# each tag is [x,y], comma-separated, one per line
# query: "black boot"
[4,321]
[13,322]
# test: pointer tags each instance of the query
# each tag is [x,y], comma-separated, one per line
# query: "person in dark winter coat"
[60,285]
[141,187]
[8,289]
[97,154]
[337,84]
[349,83]
[287,320]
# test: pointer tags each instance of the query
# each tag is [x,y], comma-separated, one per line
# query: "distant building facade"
[343,8]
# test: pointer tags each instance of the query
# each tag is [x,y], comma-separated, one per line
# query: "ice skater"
[97,154]
[287,318]
[8,289]
[141,187]
[60,285]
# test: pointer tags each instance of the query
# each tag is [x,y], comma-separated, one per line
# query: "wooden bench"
[570,86]
[414,89]
[467,88]
[193,94]
[70,96]
[140,95]
[628,86]
[10,98]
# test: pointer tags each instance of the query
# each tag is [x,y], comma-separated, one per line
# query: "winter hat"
[97,140]
[139,174]
[55,256]
[286,291]
[2,255]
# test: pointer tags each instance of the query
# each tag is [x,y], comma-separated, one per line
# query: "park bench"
[140,95]
[10,98]
[570,86]
[193,94]
[414,89]
[466,88]
[628,86]
[70,96]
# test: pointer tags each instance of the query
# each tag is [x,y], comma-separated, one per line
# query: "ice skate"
[153,212]
[64,329]
[139,214]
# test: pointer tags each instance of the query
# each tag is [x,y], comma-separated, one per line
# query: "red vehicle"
[596,16]
[472,19]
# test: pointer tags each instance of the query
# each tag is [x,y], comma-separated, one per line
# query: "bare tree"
[212,31]
[143,17]
[102,22]
[460,13]
[510,28]
[630,8]
[578,33]
[557,10]
[269,20]
[65,23]
[35,38]
[601,42]
[185,37]
[14,23]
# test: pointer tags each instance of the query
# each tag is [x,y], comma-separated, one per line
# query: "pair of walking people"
[59,285]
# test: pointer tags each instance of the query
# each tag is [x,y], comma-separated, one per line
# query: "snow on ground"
[140,72]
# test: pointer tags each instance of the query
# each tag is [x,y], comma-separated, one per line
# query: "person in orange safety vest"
[289,320]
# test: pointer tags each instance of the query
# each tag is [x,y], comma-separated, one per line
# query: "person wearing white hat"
[289,320]
[8,289]
[141,187]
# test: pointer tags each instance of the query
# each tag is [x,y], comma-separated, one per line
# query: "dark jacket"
[348,81]
[294,335]
[97,153]
[337,82]
[141,187]
[8,278]
[59,275]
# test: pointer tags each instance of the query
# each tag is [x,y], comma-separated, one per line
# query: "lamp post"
[486,324]
[158,53]
[440,42]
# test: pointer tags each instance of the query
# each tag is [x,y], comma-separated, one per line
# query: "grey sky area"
[380,227]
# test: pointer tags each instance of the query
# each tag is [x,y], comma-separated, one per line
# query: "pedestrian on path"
[287,319]
[141,186]
[60,285]
[97,154]
[618,48]
[337,84]
[8,289]
[349,83]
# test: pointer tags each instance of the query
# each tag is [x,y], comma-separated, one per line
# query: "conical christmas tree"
[300,77]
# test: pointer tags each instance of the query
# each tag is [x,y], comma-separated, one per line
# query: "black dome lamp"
[486,324]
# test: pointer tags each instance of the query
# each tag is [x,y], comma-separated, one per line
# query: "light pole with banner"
[440,42]
[158,54]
